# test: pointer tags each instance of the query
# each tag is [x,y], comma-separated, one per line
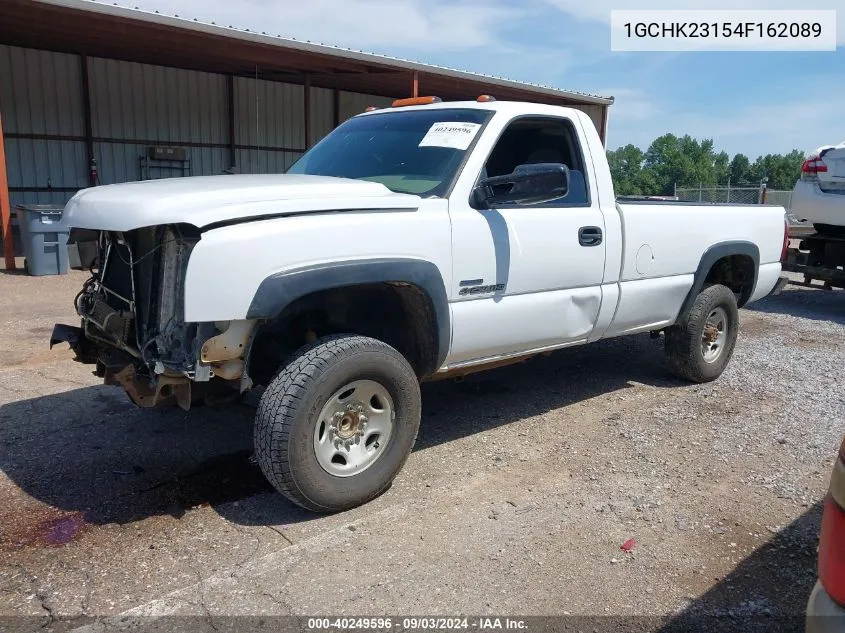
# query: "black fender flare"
[281,289]
[710,257]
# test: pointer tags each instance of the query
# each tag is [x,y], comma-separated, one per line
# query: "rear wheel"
[699,348]
[336,425]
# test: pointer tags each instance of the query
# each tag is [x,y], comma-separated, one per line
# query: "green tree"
[740,170]
[665,163]
[781,170]
[722,168]
[626,165]
[684,161]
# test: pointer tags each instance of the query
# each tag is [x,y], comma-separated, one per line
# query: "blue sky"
[749,102]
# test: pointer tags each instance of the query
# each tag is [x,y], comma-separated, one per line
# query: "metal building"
[92,93]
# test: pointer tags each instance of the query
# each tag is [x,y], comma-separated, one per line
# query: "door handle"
[589,236]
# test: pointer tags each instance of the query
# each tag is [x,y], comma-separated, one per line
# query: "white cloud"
[599,10]
[361,24]
[537,64]
[631,105]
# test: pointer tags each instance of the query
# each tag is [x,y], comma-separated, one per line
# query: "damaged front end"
[133,327]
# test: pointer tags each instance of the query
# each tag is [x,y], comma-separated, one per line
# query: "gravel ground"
[523,485]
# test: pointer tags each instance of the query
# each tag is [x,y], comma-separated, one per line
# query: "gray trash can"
[44,238]
[83,249]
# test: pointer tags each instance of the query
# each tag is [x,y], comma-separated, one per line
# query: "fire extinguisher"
[93,174]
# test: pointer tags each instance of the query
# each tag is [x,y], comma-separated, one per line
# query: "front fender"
[281,289]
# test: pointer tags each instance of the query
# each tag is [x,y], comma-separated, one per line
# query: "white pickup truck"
[414,242]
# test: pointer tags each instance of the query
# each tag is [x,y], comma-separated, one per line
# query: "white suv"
[819,196]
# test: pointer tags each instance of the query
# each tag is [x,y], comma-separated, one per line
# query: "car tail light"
[813,166]
[832,540]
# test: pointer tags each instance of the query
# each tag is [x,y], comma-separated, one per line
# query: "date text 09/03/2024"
[417,624]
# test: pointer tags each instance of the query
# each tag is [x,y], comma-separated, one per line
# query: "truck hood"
[205,200]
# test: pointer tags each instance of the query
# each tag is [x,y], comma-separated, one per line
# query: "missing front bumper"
[162,390]
[146,393]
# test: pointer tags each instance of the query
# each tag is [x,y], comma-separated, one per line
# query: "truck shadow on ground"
[806,303]
[767,591]
[90,454]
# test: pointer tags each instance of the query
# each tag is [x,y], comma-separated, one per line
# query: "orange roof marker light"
[485,98]
[401,103]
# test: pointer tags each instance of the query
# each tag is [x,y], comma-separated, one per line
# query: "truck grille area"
[134,302]
[116,324]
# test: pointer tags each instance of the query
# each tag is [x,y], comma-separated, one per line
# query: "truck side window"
[541,140]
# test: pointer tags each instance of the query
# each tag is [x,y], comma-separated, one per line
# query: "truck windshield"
[408,151]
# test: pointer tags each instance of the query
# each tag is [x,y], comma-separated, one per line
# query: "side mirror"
[528,184]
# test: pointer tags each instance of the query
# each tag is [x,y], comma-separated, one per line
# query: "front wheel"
[336,425]
[699,347]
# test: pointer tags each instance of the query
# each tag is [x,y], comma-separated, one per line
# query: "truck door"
[527,277]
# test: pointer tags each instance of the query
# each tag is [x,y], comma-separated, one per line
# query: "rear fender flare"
[710,257]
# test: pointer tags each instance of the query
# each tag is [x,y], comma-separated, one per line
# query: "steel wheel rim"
[354,428]
[715,335]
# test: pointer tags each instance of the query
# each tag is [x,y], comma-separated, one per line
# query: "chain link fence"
[735,195]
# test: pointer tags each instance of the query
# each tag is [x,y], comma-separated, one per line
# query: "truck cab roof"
[508,107]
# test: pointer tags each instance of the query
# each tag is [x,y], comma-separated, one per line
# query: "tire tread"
[683,340]
[282,400]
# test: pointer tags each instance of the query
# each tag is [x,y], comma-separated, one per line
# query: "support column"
[230,110]
[5,208]
[86,121]
[603,130]
[307,104]
[336,106]
[416,87]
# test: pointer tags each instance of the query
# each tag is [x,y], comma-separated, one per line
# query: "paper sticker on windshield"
[450,134]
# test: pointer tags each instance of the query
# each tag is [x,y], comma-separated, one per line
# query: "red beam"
[5,208]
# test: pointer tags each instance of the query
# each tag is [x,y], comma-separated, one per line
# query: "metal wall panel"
[58,198]
[120,162]
[154,103]
[158,105]
[352,103]
[45,163]
[40,92]
[322,113]
[269,114]
[257,161]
